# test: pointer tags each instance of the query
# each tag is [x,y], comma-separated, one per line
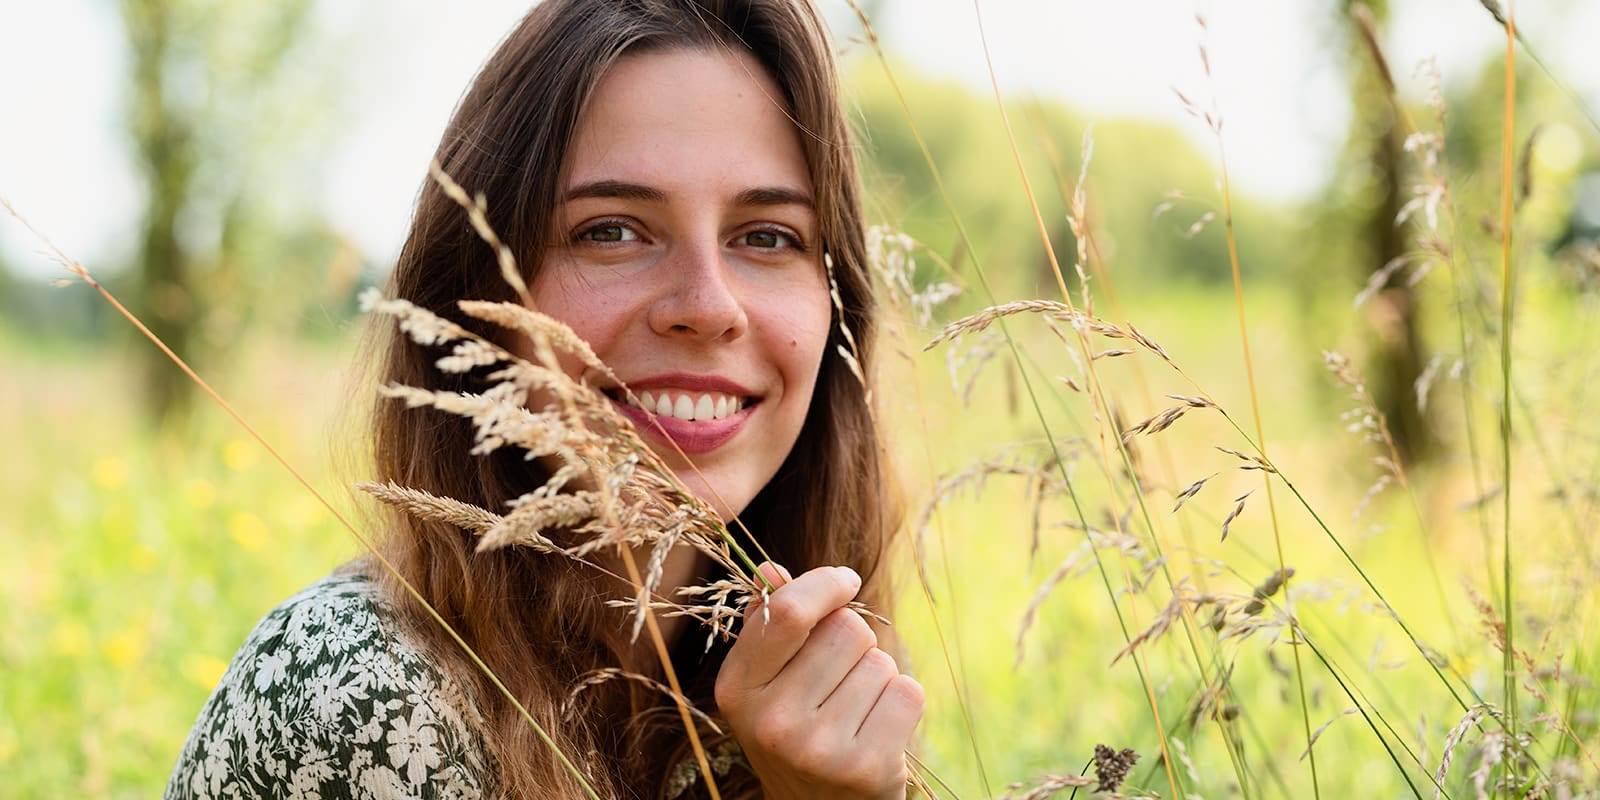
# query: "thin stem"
[672,676]
[1375,732]
[957,670]
[1261,435]
[1507,220]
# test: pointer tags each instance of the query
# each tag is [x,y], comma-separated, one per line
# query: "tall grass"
[1225,596]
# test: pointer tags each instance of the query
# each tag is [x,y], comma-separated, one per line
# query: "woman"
[669,174]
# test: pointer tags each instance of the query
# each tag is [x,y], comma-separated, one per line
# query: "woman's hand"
[819,710]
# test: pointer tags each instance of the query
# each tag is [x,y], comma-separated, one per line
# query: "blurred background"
[237,171]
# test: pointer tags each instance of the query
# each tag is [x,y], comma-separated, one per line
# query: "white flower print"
[270,670]
[328,698]
[411,744]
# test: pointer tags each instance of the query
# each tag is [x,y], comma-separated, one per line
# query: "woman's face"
[694,268]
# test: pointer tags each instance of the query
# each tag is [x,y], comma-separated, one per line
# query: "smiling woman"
[689,267]
[676,179]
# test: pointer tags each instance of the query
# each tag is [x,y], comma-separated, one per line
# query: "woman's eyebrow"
[773,196]
[618,189]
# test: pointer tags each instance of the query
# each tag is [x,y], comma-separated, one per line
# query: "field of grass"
[1054,594]
[1047,713]
[135,568]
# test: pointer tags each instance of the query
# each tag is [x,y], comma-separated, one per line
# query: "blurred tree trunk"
[215,122]
[164,145]
[1395,358]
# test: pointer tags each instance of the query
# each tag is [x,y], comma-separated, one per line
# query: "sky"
[65,162]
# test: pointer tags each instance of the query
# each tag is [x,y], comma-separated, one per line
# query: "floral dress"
[328,698]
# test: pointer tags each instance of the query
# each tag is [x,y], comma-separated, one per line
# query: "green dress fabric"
[328,698]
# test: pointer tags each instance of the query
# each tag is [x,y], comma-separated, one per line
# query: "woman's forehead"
[688,121]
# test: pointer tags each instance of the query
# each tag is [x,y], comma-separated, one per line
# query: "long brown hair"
[539,622]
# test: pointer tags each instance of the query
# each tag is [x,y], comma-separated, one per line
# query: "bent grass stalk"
[1255,408]
[983,281]
[83,274]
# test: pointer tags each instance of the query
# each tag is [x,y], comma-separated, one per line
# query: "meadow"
[1124,582]
[138,567]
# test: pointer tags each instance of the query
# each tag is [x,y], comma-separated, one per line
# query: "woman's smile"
[698,413]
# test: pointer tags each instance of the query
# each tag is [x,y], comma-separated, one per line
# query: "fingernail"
[850,576]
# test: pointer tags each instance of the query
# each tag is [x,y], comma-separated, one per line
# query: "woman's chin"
[727,501]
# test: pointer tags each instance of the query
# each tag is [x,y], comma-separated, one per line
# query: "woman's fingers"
[774,573]
[896,713]
[775,631]
[856,695]
[819,710]
[828,655]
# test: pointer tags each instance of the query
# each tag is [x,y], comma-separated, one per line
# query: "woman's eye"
[765,239]
[608,232]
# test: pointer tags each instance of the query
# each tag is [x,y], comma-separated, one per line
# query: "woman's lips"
[697,436]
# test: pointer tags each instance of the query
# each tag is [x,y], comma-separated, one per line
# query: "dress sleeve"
[324,700]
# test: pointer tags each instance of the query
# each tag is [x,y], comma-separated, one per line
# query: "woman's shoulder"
[329,697]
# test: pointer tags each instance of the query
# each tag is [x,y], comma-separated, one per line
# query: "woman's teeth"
[688,406]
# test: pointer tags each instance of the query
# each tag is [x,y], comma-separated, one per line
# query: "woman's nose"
[698,299]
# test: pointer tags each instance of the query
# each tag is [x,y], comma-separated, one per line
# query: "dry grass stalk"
[1048,786]
[1317,734]
[1169,614]
[1491,752]
[1042,482]
[1111,768]
[1453,740]
[1250,462]
[1199,225]
[1191,490]
[478,213]
[526,524]
[890,256]
[1078,217]
[596,677]
[722,758]
[1423,385]
[1080,559]
[1151,345]
[428,506]
[1267,589]
[980,350]
[848,351]
[1234,514]
[1380,278]
[1050,309]
[1164,420]
[580,429]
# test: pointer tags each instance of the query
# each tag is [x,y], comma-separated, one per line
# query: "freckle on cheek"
[794,343]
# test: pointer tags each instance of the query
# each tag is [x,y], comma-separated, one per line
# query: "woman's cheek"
[803,337]
[593,309]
